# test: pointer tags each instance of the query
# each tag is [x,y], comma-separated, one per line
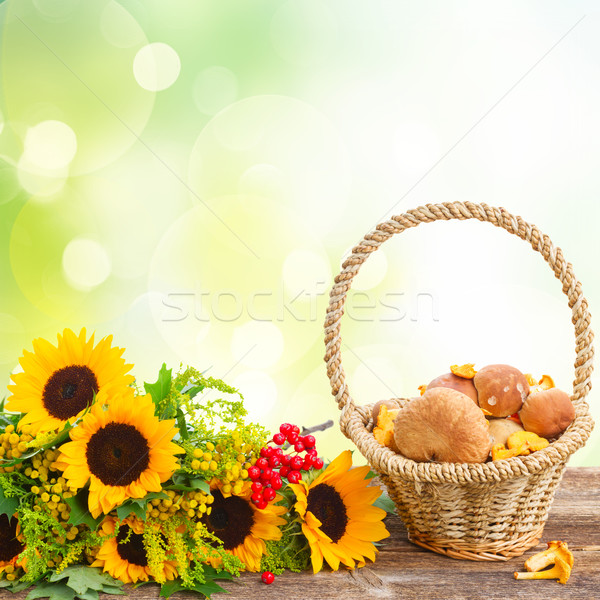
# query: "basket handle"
[499,217]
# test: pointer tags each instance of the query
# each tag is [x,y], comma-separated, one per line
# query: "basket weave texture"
[484,511]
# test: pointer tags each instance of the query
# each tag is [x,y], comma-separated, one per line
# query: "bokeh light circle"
[305,273]
[85,263]
[227,271]
[214,88]
[9,182]
[76,77]
[257,344]
[119,27]
[259,391]
[277,147]
[50,145]
[156,66]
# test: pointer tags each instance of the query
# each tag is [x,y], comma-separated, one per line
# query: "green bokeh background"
[195,197]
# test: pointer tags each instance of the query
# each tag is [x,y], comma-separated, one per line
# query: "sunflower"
[10,543]
[59,382]
[125,451]
[242,527]
[124,556]
[338,518]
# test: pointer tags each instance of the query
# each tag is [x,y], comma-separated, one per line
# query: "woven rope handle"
[444,212]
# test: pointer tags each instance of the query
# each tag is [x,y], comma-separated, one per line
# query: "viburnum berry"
[261,504]
[256,497]
[254,472]
[296,462]
[285,460]
[308,463]
[309,441]
[267,577]
[268,494]
[266,474]
[256,486]
[262,463]
[299,446]
[292,437]
[283,471]
[263,452]
[318,463]
[294,476]
[285,428]
[296,429]
[274,461]
[276,482]
[279,439]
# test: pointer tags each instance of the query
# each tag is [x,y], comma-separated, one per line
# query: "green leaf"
[81,579]
[161,388]
[127,508]
[183,482]
[195,390]
[371,474]
[183,432]
[80,514]
[7,505]
[137,506]
[385,502]
[209,587]
[52,591]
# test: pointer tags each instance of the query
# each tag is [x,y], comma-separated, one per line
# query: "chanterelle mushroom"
[557,554]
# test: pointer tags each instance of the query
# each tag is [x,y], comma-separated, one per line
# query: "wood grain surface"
[406,571]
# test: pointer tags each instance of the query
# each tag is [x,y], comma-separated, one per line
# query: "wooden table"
[406,571]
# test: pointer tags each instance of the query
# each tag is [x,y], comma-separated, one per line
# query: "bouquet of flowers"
[103,482]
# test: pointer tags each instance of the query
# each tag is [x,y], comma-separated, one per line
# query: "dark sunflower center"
[132,550]
[327,505]
[231,519]
[10,546]
[117,454]
[69,390]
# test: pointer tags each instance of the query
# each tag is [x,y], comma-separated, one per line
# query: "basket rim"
[352,418]
[393,463]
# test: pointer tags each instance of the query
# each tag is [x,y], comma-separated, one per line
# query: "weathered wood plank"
[406,571]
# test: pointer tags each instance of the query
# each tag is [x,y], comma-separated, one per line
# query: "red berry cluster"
[274,466]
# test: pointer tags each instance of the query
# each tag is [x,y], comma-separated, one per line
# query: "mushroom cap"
[501,389]
[442,425]
[454,382]
[547,413]
[502,429]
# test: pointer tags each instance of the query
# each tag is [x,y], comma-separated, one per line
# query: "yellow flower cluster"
[42,465]
[234,471]
[189,504]
[14,445]
[50,498]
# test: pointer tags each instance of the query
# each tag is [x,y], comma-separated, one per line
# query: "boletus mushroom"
[547,413]
[454,382]
[501,389]
[502,429]
[442,425]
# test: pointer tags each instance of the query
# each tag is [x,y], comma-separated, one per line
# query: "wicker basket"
[489,511]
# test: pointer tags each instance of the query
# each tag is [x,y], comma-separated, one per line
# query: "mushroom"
[501,389]
[391,404]
[384,430]
[454,382]
[442,425]
[520,443]
[547,413]
[500,429]
[527,441]
[558,554]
